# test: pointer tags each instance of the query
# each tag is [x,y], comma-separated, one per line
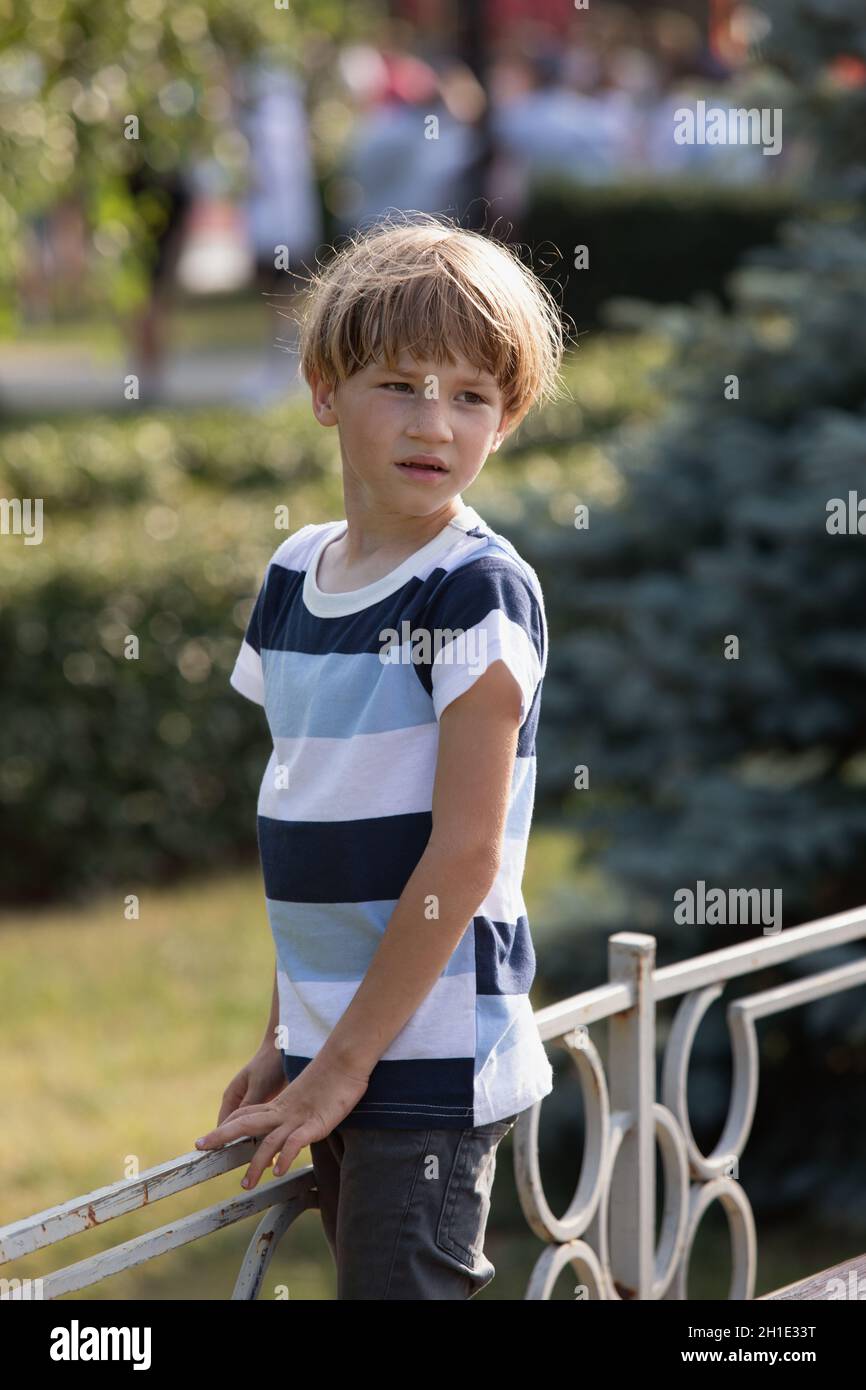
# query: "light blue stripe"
[337,941]
[520,810]
[341,694]
[494,1017]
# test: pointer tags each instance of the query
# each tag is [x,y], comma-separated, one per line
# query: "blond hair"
[425,284]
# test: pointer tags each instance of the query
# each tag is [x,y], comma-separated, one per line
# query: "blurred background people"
[543,125]
[164,199]
[282,207]
[408,149]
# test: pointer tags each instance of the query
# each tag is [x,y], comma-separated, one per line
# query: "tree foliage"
[73,73]
[742,515]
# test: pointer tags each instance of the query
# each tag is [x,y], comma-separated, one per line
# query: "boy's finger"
[288,1154]
[216,1140]
[243,1112]
[223,1118]
[263,1157]
[298,1139]
[231,1129]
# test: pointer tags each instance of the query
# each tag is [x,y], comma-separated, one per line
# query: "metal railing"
[282,1200]
[624,1121]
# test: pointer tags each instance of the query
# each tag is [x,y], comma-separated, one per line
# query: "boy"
[399,656]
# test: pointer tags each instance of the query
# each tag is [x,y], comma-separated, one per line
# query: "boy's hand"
[260,1080]
[308,1109]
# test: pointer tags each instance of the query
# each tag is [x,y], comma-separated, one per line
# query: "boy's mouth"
[422,463]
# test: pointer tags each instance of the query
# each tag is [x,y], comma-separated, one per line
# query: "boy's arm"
[477,747]
[269,1040]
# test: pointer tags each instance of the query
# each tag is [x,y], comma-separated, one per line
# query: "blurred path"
[36,378]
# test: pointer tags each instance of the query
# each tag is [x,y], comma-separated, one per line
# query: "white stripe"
[442,1026]
[504,902]
[458,665]
[515,1071]
[340,779]
[247,674]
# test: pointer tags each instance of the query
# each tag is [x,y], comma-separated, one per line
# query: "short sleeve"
[486,610]
[247,676]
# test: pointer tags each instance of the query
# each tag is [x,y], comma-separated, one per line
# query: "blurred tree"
[91,92]
[743,769]
[708,637]
[739,765]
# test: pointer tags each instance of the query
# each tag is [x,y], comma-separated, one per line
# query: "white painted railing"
[624,1120]
[282,1200]
[623,1123]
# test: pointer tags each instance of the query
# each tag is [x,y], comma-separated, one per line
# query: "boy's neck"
[369,534]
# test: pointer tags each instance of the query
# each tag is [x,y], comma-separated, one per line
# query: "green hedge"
[94,461]
[662,241]
[117,771]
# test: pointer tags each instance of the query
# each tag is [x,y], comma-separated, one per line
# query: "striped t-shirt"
[345,809]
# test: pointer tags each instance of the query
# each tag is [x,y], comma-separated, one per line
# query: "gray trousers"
[405,1210]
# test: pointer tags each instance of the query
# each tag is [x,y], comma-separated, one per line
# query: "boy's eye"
[482,400]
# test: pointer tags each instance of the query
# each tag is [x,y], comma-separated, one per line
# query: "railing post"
[631,1073]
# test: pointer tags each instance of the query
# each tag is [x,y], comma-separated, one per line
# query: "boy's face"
[451,413]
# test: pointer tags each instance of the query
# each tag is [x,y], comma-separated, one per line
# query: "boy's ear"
[504,429]
[323,399]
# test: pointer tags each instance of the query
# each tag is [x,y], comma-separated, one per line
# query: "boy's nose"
[431,422]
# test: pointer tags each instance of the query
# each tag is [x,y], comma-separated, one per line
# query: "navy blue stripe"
[253,634]
[504,956]
[288,625]
[529,728]
[371,860]
[403,1094]
[464,596]
[453,599]
[354,861]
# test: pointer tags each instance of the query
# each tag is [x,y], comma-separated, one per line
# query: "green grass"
[121,1036]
